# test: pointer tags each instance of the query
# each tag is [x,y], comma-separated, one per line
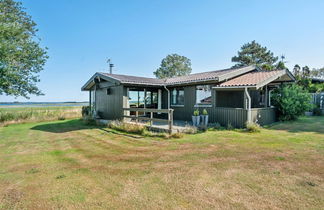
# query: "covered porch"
[247,98]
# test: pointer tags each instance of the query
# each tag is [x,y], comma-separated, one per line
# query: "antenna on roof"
[283,57]
[110,65]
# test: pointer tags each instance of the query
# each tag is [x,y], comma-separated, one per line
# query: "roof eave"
[89,84]
[235,87]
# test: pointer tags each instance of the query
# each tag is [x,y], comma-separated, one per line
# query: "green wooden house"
[234,95]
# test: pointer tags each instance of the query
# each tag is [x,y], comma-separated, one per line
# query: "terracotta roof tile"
[250,79]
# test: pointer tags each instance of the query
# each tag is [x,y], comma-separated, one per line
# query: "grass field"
[11,115]
[69,165]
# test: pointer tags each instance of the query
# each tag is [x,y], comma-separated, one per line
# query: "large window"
[177,96]
[203,94]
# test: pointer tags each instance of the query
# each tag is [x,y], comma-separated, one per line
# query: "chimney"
[110,65]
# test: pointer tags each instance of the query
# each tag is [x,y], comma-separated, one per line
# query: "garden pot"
[308,113]
[204,120]
[195,120]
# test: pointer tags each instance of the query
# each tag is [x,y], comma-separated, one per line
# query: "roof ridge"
[127,75]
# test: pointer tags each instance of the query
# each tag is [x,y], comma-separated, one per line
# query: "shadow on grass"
[304,124]
[64,126]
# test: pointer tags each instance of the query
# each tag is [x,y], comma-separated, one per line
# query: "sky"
[138,34]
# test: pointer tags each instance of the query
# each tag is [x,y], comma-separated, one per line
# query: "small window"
[108,91]
[177,96]
[203,94]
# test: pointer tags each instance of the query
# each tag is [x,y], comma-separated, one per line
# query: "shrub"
[216,126]
[229,126]
[127,127]
[196,112]
[253,127]
[190,129]
[291,101]
[177,135]
[204,112]
[85,111]
[61,118]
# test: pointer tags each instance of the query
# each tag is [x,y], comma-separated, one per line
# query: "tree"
[302,76]
[291,101]
[281,65]
[254,54]
[296,71]
[173,65]
[305,72]
[21,57]
[319,73]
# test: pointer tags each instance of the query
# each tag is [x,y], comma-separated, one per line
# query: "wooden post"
[90,105]
[136,114]
[144,101]
[170,120]
[266,97]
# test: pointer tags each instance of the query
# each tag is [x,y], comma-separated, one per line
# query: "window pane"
[181,97]
[177,97]
[174,97]
[133,98]
[148,98]
[141,99]
[203,94]
[155,97]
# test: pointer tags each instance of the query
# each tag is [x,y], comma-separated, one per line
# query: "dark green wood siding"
[237,117]
[110,106]
[264,116]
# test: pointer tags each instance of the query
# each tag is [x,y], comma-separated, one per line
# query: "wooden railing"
[151,119]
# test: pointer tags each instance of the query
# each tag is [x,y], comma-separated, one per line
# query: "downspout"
[168,95]
[249,113]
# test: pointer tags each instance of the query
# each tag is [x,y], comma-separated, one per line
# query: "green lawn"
[69,165]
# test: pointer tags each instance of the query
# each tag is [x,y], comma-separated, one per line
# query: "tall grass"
[13,115]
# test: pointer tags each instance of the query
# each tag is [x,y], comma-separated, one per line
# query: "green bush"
[291,101]
[196,112]
[253,127]
[216,126]
[85,111]
[229,126]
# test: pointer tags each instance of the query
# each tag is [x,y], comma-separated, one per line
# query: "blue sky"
[138,34]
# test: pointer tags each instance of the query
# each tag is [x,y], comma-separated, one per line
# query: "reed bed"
[37,114]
